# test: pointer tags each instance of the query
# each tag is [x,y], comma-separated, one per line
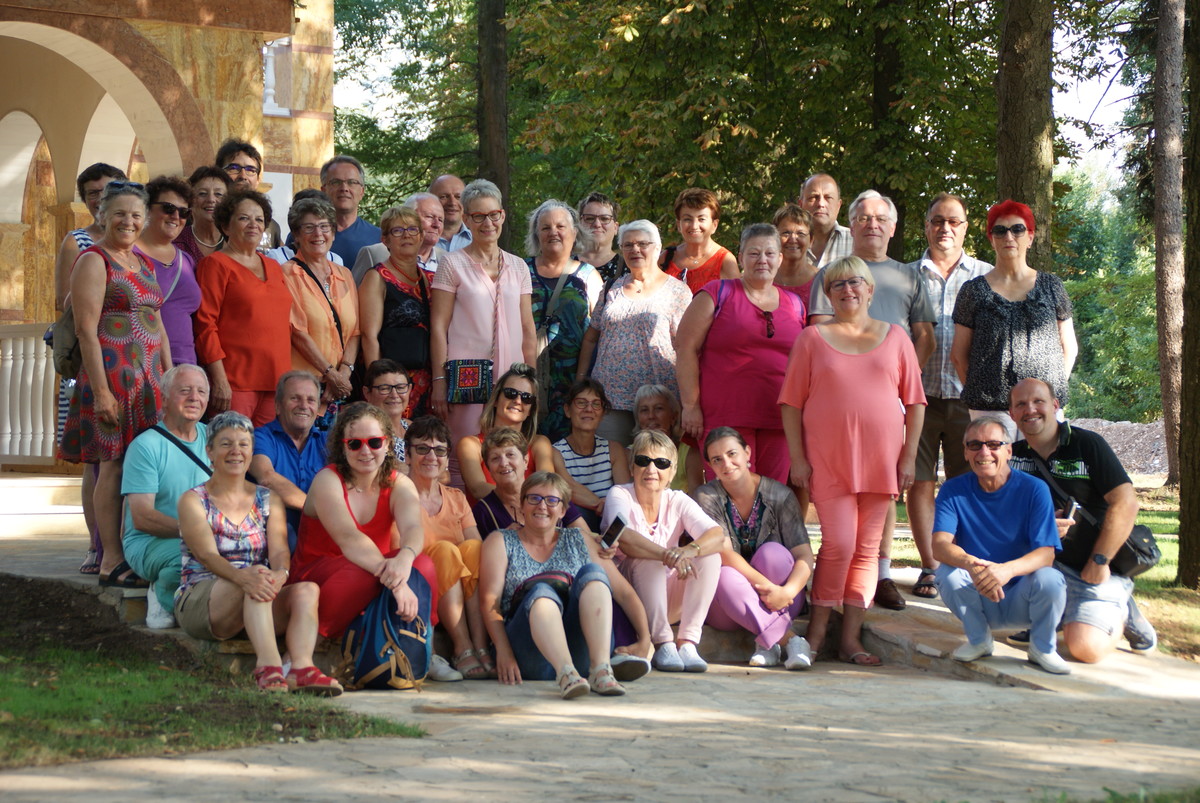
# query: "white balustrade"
[28,394]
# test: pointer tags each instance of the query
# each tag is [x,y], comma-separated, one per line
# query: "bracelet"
[410,549]
[436,378]
[328,368]
[697,548]
[349,365]
[286,573]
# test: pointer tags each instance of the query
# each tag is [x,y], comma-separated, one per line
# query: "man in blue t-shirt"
[995,536]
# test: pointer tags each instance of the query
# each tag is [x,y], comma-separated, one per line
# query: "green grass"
[60,705]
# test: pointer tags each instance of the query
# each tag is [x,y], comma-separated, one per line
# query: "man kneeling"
[995,536]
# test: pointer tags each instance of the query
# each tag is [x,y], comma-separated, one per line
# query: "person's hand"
[639,649]
[441,407]
[105,405]
[800,474]
[257,583]
[507,671]
[673,557]
[605,552]
[1063,525]
[906,472]
[990,578]
[693,421]
[773,597]
[1095,574]
[219,396]
[406,601]
[394,571]
[338,383]
[683,566]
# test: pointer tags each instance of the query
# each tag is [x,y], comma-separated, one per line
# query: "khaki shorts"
[191,610]
[945,425]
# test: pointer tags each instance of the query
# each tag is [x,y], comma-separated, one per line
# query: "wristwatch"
[1099,559]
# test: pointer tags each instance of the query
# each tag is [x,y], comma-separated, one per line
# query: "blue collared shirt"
[459,240]
[938,375]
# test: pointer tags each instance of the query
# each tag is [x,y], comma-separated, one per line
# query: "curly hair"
[337,449]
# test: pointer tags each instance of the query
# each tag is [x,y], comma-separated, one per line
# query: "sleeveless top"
[700,275]
[570,553]
[314,541]
[241,543]
[593,471]
[82,238]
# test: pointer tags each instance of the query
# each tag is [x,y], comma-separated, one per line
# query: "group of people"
[514,409]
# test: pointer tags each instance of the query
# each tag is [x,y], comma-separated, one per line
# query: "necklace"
[217,244]
[411,279]
[113,258]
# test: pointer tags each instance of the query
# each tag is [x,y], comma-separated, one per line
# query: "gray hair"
[170,377]
[988,419]
[643,226]
[412,200]
[115,189]
[310,206]
[281,385]
[230,419]
[760,230]
[648,391]
[480,188]
[342,159]
[533,246]
[872,195]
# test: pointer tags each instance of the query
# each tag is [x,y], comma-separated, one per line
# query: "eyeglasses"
[584,404]
[852,282]
[952,222]
[975,446]
[388,390]
[769,317]
[425,448]
[864,219]
[400,231]
[312,228]
[249,170]
[802,234]
[478,217]
[603,220]
[338,183]
[660,463]
[169,209]
[92,195]
[640,245]
[512,393]
[355,444]
[1017,230]
[533,500]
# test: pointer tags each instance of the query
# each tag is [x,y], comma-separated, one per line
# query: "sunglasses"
[117,185]
[534,500]
[1017,230]
[354,444]
[769,317]
[975,446]
[425,448]
[513,393]
[660,463]
[169,209]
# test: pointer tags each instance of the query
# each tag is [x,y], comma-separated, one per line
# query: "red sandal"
[270,678]
[311,680]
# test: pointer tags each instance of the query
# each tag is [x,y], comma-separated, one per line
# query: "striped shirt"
[593,471]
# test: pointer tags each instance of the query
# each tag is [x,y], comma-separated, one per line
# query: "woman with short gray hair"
[632,333]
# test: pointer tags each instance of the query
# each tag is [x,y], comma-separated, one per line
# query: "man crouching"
[995,536]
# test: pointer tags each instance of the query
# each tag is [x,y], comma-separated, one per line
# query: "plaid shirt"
[839,245]
[939,377]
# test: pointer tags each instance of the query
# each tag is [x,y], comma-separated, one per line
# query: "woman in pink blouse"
[852,406]
[480,308]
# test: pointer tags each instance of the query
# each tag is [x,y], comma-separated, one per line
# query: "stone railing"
[28,395]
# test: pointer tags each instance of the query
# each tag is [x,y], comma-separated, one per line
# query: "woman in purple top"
[173,267]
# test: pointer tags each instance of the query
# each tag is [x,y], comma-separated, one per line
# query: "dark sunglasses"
[975,446]
[643,460]
[425,448]
[355,444]
[513,393]
[169,209]
[1017,230]
[770,319]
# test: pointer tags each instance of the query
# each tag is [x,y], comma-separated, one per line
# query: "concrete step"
[46,520]
[19,493]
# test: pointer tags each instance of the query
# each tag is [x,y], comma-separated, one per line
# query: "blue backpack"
[382,651]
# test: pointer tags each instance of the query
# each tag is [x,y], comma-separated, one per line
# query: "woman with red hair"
[1013,322]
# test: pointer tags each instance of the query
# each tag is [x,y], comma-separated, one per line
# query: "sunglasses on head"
[513,393]
[354,444]
[643,460]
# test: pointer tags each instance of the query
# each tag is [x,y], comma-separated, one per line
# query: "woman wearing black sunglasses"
[347,543]
[670,552]
[173,267]
[514,404]
[1013,322]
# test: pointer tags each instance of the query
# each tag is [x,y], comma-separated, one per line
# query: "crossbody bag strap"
[1044,471]
[337,319]
[161,430]
[552,304]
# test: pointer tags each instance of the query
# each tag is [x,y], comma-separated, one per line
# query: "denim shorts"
[1103,606]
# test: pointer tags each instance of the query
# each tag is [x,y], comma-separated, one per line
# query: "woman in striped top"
[590,465]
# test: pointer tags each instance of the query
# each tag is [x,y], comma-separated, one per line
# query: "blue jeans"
[1035,601]
[529,658]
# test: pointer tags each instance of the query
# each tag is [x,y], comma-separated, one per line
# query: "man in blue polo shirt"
[287,452]
[343,180]
[995,536]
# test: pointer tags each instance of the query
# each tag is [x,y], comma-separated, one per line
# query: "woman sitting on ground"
[452,542]
[546,602]
[766,561]
[235,565]
[589,464]
[386,385]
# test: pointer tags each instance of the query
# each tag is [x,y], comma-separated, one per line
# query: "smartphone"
[609,539]
[1071,508]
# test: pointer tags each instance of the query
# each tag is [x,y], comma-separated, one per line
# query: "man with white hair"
[161,464]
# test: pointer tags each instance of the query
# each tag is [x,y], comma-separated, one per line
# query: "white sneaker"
[628,668]
[442,672]
[799,654]
[692,662]
[1051,661]
[666,658]
[765,656]
[968,652]
[157,617]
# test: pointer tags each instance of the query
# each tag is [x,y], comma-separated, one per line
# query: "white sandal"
[570,684]
[602,682]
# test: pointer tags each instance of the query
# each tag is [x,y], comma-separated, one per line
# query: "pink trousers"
[737,604]
[848,563]
[667,598]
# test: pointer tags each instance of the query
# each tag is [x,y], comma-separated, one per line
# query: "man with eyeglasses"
[995,535]
[1078,466]
[448,189]
[243,163]
[287,453]
[828,239]
[344,181]
[902,298]
[944,267]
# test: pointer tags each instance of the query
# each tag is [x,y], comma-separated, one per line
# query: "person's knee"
[1087,644]
[1049,581]
[306,595]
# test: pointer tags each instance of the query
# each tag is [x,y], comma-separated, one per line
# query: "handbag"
[64,345]
[382,651]
[470,381]
[559,581]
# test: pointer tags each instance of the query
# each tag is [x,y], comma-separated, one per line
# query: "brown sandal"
[469,664]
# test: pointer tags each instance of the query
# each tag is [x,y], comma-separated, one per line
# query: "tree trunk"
[492,105]
[1189,426]
[1025,130]
[886,71]
[1168,217]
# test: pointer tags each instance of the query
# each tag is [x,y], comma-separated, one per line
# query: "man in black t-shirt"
[1100,604]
